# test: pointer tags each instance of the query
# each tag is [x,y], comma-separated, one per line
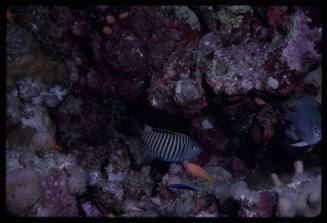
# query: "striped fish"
[170,146]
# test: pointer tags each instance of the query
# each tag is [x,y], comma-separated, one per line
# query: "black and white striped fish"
[170,146]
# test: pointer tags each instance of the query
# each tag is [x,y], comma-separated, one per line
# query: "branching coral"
[300,197]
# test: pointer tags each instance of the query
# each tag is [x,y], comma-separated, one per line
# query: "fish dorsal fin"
[147,129]
[168,131]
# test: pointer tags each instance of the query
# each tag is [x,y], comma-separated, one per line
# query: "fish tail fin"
[147,128]
[134,129]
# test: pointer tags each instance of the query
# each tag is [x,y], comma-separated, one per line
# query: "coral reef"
[23,190]
[301,196]
[178,88]
[84,82]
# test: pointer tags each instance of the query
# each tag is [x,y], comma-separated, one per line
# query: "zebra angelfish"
[170,146]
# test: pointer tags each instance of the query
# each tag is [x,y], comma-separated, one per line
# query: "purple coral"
[301,51]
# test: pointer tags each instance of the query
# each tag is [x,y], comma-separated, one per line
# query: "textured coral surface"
[85,82]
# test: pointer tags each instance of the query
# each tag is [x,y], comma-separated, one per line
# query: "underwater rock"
[276,67]
[239,116]
[19,137]
[267,118]
[126,52]
[301,196]
[189,203]
[87,117]
[19,43]
[301,53]
[275,14]
[91,210]
[232,22]
[233,165]
[234,69]
[121,183]
[176,202]
[209,134]
[178,88]
[57,201]
[38,22]
[12,159]
[253,203]
[143,214]
[130,39]
[23,190]
[53,179]
[314,78]
[28,110]
[77,180]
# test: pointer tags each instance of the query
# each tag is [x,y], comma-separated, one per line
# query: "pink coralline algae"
[178,88]
[129,51]
[275,14]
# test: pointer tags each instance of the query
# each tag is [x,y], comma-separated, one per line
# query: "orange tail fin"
[53,144]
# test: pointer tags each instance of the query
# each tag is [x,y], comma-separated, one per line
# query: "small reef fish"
[17,18]
[198,171]
[53,144]
[170,146]
[303,121]
[181,186]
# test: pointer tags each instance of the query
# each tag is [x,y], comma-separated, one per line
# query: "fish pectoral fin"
[300,144]
[310,149]
[291,133]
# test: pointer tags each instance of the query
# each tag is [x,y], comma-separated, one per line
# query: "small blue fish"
[303,121]
[181,186]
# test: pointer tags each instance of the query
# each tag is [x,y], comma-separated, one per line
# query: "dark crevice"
[204,27]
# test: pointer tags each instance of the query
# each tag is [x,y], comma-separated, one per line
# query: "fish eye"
[195,149]
[316,131]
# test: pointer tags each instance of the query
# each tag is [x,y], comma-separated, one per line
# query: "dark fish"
[170,146]
[181,186]
[303,121]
